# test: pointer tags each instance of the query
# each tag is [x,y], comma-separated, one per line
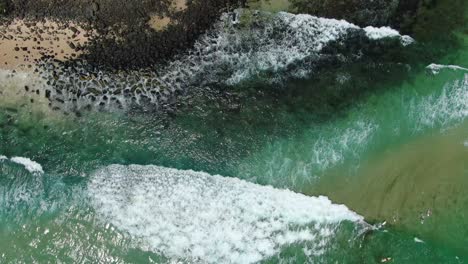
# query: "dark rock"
[72,45]
[361,12]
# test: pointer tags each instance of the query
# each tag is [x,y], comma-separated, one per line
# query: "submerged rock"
[424,19]
[361,12]
[3,7]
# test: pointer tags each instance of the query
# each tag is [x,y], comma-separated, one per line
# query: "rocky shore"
[131,34]
[122,54]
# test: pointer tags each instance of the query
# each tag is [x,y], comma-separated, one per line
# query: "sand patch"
[179,5]
[159,22]
[22,43]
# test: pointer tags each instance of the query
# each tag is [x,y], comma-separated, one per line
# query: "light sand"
[22,43]
[160,22]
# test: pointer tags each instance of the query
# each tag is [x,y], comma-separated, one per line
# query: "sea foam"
[387,32]
[194,216]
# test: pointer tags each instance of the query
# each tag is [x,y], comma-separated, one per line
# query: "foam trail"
[194,216]
[436,68]
[444,109]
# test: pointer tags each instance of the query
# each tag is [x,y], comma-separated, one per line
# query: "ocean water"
[271,157]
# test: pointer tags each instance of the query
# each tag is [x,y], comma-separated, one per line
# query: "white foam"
[436,68]
[387,32]
[198,217]
[271,46]
[28,164]
[379,33]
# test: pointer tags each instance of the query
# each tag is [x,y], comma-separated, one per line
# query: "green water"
[388,140]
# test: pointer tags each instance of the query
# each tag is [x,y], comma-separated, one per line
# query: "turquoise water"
[386,139]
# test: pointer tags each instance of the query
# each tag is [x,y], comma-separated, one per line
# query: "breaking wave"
[194,216]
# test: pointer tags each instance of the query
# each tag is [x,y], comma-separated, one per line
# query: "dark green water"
[388,140]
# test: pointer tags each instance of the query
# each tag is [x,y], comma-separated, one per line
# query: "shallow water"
[387,140]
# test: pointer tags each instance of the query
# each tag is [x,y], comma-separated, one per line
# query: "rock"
[95,6]
[72,46]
